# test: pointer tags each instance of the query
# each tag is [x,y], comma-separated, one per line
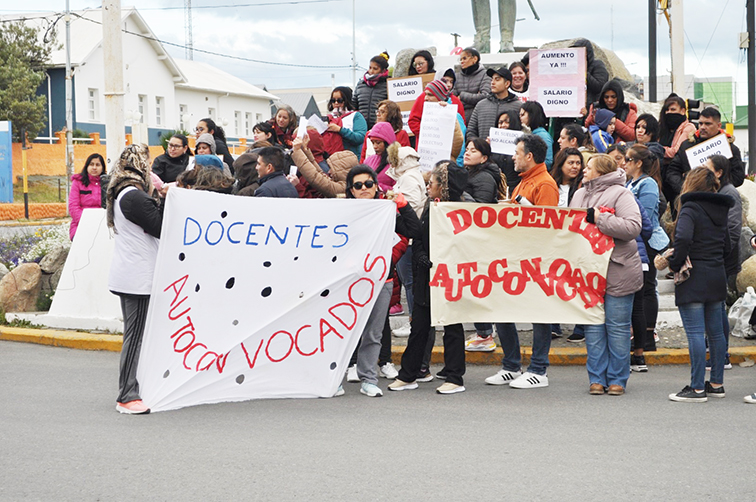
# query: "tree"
[23,56]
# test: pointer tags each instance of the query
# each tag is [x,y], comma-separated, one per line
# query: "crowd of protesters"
[626,169]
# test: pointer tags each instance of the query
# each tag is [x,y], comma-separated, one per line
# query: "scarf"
[672,121]
[471,69]
[131,169]
[372,80]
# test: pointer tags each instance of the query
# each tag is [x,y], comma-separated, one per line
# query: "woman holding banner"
[614,211]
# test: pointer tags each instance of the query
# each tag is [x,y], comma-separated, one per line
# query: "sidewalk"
[558,356]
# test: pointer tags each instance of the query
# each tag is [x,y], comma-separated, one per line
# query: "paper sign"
[503,140]
[302,129]
[317,123]
[292,170]
[557,80]
[259,297]
[698,154]
[405,121]
[511,263]
[436,134]
[405,89]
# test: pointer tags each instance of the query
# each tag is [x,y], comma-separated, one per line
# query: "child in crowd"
[602,130]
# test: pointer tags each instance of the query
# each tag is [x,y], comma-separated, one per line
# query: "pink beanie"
[384,131]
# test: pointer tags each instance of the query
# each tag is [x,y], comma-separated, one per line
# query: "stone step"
[665,286]
[667,302]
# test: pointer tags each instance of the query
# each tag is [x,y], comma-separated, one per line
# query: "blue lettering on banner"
[251,232]
[215,232]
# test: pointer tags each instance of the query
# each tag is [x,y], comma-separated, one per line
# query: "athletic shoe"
[480,344]
[656,337]
[133,408]
[370,390]
[388,370]
[596,389]
[352,374]
[615,390]
[529,380]
[727,364]
[441,375]
[750,399]
[503,377]
[402,331]
[450,388]
[396,309]
[424,376]
[576,338]
[339,391]
[638,364]
[555,335]
[712,391]
[398,385]
[688,395]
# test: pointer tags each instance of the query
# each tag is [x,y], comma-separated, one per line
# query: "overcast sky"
[319,33]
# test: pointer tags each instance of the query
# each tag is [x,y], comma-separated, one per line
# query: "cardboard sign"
[511,263]
[503,140]
[557,80]
[260,297]
[405,90]
[436,134]
[699,154]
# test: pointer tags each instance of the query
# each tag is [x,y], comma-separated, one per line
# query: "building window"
[142,109]
[158,110]
[247,125]
[211,113]
[258,118]
[93,102]
[237,123]
[184,112]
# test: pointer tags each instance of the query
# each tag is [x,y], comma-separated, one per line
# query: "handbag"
[662,261]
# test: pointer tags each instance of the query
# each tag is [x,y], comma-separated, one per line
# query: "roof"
[320,94]
[205,77]
[299,101]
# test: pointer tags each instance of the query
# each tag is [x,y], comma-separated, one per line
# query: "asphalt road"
[61,439]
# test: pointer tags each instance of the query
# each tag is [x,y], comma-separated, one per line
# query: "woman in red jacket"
[613,99]
[85,190]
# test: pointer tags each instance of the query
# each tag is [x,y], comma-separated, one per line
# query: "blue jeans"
[698,320]
[404,271]
[484,329]
[608,344]
[510,344]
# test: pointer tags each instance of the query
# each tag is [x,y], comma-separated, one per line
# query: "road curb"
[560,356]
[33,223]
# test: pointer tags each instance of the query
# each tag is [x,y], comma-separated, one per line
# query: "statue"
[507,18]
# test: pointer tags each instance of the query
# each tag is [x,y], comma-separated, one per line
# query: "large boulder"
[403,60]
[747,275]
[20,288]
[745,249]
[748,196]
[55,259]
[3,271]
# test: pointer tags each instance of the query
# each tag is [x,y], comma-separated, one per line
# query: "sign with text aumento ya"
[557,80]
[260,297]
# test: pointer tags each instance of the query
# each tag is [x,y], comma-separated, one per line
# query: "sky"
[319,33]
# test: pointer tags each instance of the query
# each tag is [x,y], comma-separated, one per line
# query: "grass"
[41,190]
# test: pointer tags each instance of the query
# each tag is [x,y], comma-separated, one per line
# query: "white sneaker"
[352,374]
[339,391]
[530,380]
[402,331]
[370,390]
[503,377]
[480,344]
[388,370]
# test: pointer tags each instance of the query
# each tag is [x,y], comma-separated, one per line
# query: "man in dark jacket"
[709,125]
[270,170]
[487,111]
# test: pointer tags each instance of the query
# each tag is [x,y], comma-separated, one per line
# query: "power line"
[242,5]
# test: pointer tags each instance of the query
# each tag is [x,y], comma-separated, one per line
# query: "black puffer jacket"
[596,76]
[506,166]
[483,183]
[366,99]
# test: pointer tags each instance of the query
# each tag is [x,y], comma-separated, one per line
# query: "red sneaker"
[132,408]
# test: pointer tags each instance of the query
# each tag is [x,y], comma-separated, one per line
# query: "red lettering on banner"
[194,346]
[323,334]
[504,216]
[490,216]
[554,218]
[177,293]
[532,268]
[372,288]
[460,220]
[465,269]
[441,277]
[338,318]
[370,268]
[531,217]
[273,337]
[173,307]
[251,363]
[296,342]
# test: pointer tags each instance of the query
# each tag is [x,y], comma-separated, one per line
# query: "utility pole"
[651,91]
[677,46]
[112,49]
[354,44]
[750,17]
[69,106]
[188,37]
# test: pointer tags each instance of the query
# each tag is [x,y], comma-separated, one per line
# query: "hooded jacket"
[486,112]
[701,235]
[471,89]
[596,75]
[409,179]
[626,113]
[82,197]
[331,184]
[483,184]
[624,275]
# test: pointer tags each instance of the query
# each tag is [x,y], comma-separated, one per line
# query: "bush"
[167,135]
[30,247]
[78,133]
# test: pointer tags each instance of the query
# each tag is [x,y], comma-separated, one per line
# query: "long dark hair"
[267,128]
[514,120]
[721,163]
[425,55]
[84,174]
[218,132]
[649,161]
[346,93]
[560,159]
[536,116]
[360,169]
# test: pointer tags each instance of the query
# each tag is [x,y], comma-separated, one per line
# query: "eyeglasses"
[171,145]
[336,100]
[199,129]
[420,63]
[629,159]
[357,185]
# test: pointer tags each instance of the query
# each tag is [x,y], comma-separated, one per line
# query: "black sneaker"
[688,395]
[441,375]
[424,375]
[576,338]
[638,364]
[714,391]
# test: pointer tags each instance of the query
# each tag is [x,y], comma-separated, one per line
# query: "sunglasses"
[357,185]
[629,159]
[337,100]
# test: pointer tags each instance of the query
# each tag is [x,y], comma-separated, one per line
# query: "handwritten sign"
[436,134]
[503,140]
[699,154]
[557,80]
[511,263]
[260,297]
[405,88]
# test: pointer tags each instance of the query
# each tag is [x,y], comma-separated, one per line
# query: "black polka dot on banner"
[236,322]
[266,264]
[182,256]
[296,258]
[224,214]
[333,365]
[230,283]
[168,372]
[325,293]
[267,291]
[240,379]
[333,259]
[196,288]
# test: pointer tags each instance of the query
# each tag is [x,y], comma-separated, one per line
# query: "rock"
[746,251]
[747,276]
[404,59]
[3,271]
[19,288]
[748,195]
[55,259]
[50,282]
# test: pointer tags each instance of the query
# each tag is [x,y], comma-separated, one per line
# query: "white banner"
[260,297]
[503,140]
[436,134]
[718,145]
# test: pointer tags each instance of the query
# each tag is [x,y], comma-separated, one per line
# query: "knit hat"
[503,72]
[603,117]
[384,131]
[457,180]
[439,89]
[208,160]
[207,139]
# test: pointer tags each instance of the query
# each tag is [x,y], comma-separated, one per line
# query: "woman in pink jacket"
[85,189]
